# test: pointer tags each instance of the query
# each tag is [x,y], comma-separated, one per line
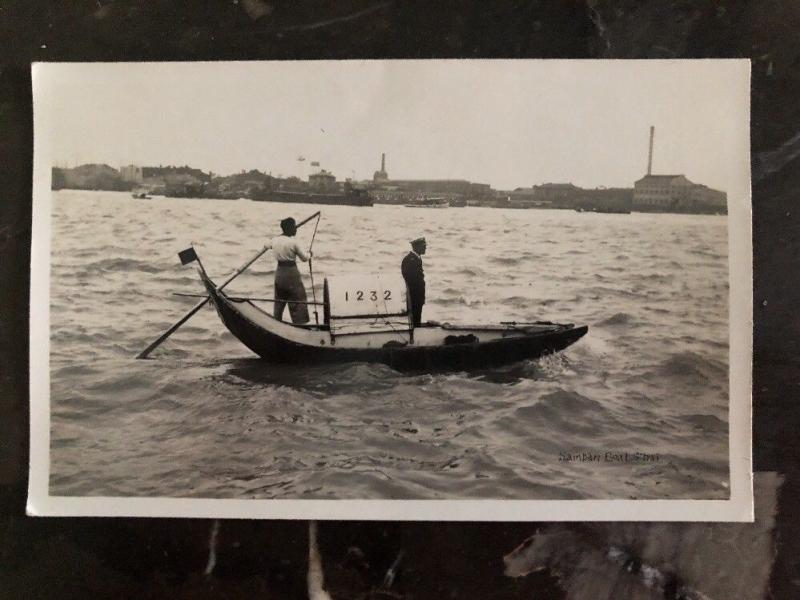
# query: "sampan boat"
[366,320]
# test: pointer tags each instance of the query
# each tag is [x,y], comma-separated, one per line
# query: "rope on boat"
[311,268]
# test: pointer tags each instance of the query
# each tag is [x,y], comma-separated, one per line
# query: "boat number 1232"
[371,295]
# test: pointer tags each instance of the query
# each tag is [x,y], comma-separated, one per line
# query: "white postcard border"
[739,507]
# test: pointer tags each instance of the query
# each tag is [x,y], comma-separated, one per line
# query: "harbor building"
[675,193]
[524,198]
[556,193]
[570,196]
[703,195]
[184,182]
[89,177]
[131,174]
[607,200]
[652,192]
[381,175]
[323,181]
[400,191]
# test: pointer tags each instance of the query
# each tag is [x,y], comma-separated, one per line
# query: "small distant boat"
[430,203]
[607,210]
[613,211]
[141,195]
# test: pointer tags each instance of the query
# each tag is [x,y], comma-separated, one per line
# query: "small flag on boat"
[187,256]
[315,163]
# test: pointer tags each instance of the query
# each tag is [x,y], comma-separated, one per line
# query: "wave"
[80,336]
[517,300]
[603,291]
[706,422]
[523,370]
[325,379]
[469,272]
[73,370]
[458,301]
[568,411]
[261,272]
[620,318]
[507,260]
[121,265]
[693,366]
[705,252]
[450,291]
[178,280]
[656,277]
[206,394]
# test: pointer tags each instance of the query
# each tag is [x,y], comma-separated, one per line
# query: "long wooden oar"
[246,299]
[311,271]
[146,352]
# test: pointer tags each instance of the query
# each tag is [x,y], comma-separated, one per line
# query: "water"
[206,418]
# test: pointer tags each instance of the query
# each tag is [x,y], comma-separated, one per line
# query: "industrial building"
[384,190]
[570,196]
[323,181]
[131,173]
[675,193]
[381,175]
[88,177]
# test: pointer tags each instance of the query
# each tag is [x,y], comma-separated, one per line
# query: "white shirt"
[287,248]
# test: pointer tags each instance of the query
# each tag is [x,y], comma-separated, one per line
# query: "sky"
[509,123]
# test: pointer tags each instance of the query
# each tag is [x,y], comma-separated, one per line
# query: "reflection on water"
[205,418]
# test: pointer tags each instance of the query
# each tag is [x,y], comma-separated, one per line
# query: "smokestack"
[383,161]
[650,154]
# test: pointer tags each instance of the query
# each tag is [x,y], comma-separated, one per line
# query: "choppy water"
[206,418]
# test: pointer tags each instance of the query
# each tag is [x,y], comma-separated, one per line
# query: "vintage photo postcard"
[406,290]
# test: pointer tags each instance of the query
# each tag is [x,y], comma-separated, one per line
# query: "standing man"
[411,268]
[289,286]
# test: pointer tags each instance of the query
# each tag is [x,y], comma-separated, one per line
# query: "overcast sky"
[507,123]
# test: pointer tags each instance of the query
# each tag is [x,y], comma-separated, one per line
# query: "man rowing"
[289,288]
[411,267]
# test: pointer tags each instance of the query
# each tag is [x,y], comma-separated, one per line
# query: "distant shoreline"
[156,197]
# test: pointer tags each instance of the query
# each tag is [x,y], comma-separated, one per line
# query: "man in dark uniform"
[411,268]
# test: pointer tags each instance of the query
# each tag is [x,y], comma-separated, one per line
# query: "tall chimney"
[650,154]
[383,162]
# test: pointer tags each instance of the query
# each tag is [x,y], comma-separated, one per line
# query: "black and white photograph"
[417,290]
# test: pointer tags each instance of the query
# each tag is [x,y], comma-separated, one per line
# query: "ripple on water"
[205,418]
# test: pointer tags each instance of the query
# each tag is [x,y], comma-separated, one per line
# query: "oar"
[311,272]
[304,221]
[245,299]
[144,353]
[190,257]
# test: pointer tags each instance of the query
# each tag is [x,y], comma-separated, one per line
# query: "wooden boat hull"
[464,348]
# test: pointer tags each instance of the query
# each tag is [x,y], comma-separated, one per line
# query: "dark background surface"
[72,558]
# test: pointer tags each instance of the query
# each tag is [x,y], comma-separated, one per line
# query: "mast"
[650,154]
